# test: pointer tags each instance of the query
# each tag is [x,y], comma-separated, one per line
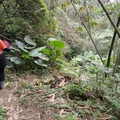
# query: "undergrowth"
[79,90]
[92,94]
[2,113]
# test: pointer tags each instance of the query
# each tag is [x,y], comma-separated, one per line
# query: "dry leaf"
[34,81]
[23,95]
[22,118]
[51,97]
[11,108]
[10,118]
[10,97]
[62,83]
[106,117]
[61,112]
[15,116]
[6,84]
[38,114]
[16,86]
[62,101]
[91,108]
[21,110]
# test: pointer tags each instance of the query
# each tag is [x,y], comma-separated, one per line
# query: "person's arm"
[7,49]
[3,46]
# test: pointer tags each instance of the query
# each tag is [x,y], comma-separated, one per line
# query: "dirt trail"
[16,111]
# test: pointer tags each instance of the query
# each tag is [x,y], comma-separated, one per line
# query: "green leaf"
[36,51]
[78,59]
[20,45]
[29,40]
[65,5]
[58,44]
[26,47]
[117,76]
[43,57]
[40,62]
[15,49]
[51,39]
[90,7]
[94,24]
[81,8]
[26,55]
[79,29]
[9,64]
[70,117]
[15,60]
[46,51]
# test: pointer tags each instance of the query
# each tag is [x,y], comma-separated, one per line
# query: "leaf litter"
[30,99]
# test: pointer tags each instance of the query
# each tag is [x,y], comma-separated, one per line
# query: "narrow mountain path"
[15,110]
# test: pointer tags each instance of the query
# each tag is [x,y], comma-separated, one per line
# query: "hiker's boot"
[1,85]
[2,76]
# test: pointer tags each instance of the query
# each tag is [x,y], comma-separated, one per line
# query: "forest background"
[75,44]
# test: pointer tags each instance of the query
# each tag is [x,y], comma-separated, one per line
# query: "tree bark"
[112,44]
[114,26]
[87,32]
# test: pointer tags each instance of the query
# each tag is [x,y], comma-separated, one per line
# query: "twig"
[5,10]
[117,31]
[87,31]
[10,97]
[6,37]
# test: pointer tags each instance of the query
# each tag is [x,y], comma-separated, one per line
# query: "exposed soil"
[17,110]
[32,97]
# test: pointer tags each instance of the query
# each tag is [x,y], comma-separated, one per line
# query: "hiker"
[4,45]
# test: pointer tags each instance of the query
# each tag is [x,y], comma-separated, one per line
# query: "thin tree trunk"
[112,44]
[114,26]
[87,31]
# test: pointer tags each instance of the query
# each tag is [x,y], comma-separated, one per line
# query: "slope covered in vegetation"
[64,59]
